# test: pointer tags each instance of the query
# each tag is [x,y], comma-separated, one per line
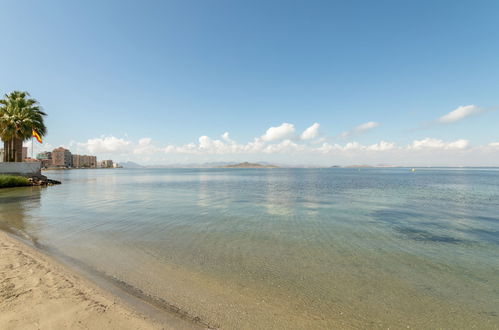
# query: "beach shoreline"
[39,292]
[298,249]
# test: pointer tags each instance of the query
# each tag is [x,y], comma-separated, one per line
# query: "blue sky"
[145,80]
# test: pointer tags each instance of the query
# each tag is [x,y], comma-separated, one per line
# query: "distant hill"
[248,165]
[131,165]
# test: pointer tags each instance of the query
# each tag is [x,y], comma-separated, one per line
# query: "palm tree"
[19,116]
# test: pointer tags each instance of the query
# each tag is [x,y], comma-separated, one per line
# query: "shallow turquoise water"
[283,248]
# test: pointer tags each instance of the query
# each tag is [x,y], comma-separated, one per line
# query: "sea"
[229,248]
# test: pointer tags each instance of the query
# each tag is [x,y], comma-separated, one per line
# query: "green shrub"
[13,181]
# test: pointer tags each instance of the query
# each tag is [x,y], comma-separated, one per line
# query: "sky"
[413,83]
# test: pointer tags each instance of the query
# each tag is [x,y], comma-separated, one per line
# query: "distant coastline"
[133,165]
[79,168]
[248,165]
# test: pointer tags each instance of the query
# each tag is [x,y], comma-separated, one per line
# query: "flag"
[37,136]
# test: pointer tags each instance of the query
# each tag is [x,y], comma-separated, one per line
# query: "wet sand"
[39,293]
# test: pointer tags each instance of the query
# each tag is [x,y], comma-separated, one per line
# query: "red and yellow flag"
[37,136]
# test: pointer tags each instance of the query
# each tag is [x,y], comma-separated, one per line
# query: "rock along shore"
[42,180]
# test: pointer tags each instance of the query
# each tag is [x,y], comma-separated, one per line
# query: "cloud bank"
[280,144]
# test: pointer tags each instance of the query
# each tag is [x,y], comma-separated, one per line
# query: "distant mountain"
[249,165]
[131,165]
[190,165]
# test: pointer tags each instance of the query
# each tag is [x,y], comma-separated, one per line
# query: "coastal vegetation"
[8,181]
[20,117]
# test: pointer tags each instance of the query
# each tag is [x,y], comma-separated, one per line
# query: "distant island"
[248,165]
[130,164]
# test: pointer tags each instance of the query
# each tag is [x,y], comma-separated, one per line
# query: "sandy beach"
[37,292]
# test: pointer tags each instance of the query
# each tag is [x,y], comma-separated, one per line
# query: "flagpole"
[31,147]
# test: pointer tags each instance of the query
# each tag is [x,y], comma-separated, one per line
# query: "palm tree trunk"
[11,155]
[8,151]
[11,148]
[18,150]
[13,151]
[5,151]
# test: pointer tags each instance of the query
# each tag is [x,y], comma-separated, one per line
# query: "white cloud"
[226,137]
[279,132]
[284,146]
[494,144]
[310,133]
[145,141]
[352,146]
[145,147]
[458,144]
[108,144]
[206,144]
[430,143]
[382,146]
[366,126]
[459,113]
[360,129]
[355,146]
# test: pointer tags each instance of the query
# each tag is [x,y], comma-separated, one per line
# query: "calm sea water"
[283,248]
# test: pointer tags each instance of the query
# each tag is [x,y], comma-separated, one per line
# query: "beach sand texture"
[38,293]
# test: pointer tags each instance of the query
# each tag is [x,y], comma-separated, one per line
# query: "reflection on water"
[278,199]
[282,248]
[204,191]
[19,217]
